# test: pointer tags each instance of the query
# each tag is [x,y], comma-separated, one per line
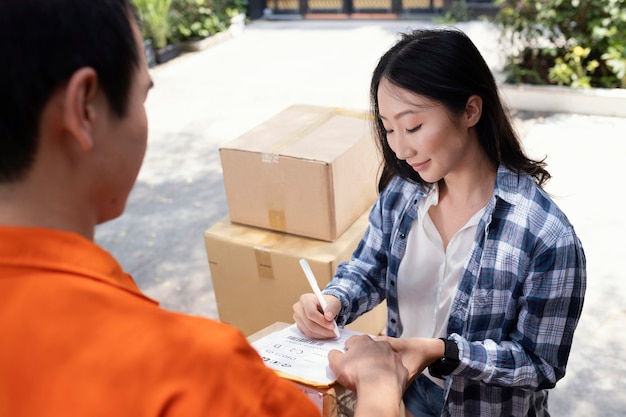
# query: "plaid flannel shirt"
[519,298]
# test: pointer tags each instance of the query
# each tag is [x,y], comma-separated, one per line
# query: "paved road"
[205,99]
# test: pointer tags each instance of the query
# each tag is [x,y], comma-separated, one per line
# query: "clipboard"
[295,357]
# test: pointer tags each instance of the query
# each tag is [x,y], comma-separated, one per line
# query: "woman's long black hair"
[444,65]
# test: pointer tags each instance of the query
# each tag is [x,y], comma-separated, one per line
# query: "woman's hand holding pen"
[308,315]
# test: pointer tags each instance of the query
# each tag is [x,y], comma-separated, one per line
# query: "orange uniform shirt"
[78,338]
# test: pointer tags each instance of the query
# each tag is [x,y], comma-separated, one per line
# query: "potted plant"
[575,44]
[198,24]
[564,56]
[155,16]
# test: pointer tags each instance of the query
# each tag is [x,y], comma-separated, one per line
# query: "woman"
[483,274]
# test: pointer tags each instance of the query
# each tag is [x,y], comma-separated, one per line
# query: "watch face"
[451,350]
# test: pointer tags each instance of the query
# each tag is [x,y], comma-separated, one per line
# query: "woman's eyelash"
[415,129]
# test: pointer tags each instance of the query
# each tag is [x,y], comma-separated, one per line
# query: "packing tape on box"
[264,262]
[263,255]
[277,220]
[272,155]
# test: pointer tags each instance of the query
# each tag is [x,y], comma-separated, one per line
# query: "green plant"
[197,19]
[155,18]
[571,69]
[459,12]
[579,43]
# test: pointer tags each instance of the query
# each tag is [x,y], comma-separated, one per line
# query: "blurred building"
[345,9]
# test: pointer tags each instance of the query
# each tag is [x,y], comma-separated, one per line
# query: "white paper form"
[298,357]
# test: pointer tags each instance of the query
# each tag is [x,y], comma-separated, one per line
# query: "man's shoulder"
[174,332]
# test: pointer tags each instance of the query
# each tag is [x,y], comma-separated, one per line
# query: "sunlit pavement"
[205,99]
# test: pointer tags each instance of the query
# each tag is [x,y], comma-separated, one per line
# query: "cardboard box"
[309,171]
[257,277]
[335,401]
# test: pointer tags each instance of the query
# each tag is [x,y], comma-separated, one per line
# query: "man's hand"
[374,371]
[417,353]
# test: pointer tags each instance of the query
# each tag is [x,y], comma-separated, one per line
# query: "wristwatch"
[448,362]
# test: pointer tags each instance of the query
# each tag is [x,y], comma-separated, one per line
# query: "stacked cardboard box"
[298,186]
[309,171]
[257,277]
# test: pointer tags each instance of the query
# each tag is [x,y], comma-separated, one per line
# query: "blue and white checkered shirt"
[518,302]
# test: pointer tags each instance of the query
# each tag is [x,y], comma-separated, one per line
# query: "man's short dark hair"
[42,43]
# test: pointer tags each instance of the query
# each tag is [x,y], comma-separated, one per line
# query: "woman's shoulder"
[531,204]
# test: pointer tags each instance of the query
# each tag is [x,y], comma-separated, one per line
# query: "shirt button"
[402,235]
[393,283]
[393,321]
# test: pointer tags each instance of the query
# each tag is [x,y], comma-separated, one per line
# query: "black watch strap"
[448,362]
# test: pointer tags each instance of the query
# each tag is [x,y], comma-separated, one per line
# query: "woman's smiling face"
[423,132]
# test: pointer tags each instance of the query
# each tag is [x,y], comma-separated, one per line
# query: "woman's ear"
[79,106]
[473,110]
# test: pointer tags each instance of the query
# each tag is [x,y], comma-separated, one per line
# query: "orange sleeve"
[230,379]
[260,385]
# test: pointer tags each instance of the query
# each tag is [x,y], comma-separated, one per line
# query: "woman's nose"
[403,149]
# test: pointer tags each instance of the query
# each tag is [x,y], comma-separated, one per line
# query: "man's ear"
[79,106]
[473,110]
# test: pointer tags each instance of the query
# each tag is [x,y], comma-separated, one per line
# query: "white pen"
[316,289]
